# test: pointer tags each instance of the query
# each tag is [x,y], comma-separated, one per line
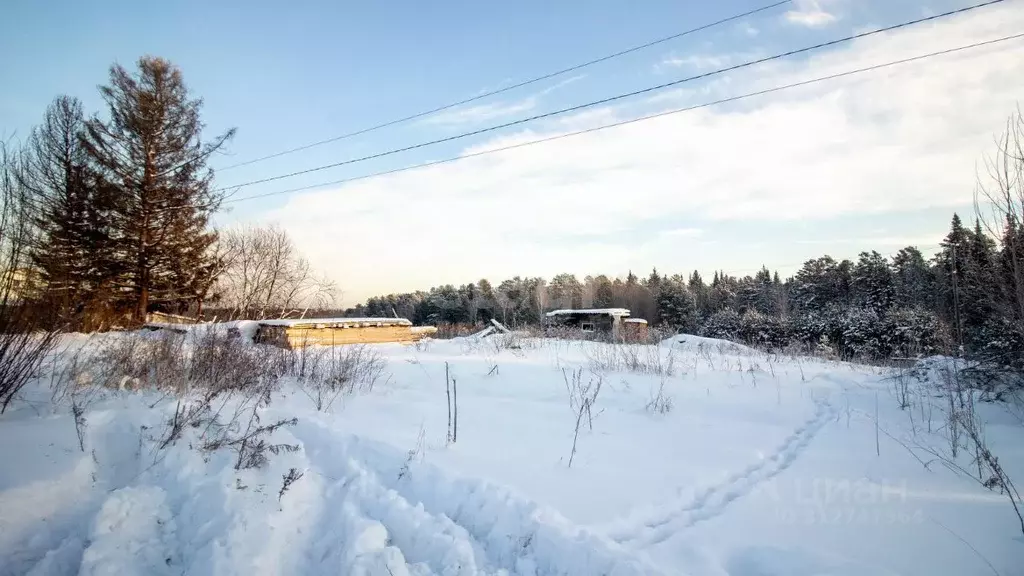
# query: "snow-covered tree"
[872,284]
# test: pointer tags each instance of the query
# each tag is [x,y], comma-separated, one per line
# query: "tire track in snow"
[461,526]
[715,500]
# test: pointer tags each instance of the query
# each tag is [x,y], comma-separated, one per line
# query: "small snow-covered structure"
[598,322]
[334,331]
[634,329]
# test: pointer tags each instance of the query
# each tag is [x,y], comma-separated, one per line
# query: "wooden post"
[448,392]
[878,448]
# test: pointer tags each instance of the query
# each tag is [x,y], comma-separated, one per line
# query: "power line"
[634,120]
[617,97]
[541,78]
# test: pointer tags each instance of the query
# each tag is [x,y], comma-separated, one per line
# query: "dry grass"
[219,384]
[635,358]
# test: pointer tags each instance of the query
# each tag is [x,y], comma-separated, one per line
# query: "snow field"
[764,466]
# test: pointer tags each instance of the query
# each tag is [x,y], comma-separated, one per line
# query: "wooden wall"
[296,337]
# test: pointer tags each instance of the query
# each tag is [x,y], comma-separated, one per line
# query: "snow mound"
[691,343]
[246,329]
[131,535]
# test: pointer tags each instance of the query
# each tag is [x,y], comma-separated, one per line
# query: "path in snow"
[714,500]
[384,510]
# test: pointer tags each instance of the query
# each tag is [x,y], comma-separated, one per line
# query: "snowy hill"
[697,457]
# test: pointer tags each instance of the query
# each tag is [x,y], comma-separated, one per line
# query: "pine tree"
[653,281]
[151,153]
[1011,267]
[759,294]
[781,296]
[604,294]
[676,306]
[565,291]
[696,282]
[872,283]
[980,278]
[71,247]
[822,283]
[700,295]
[951,263]
[486,308]
[914,280]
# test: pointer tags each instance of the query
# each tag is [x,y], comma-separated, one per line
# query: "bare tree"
[22,349]
[1000,205]
[999,202]
[264,275]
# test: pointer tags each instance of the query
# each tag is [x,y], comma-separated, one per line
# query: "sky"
[875,161]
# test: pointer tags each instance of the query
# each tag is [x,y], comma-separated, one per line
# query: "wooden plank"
[165,318]
[299,336]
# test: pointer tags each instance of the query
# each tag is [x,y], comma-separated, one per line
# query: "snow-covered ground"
[762,466]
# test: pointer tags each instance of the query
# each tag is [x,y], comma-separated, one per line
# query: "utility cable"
[635,120]
[616,97]
[541,78]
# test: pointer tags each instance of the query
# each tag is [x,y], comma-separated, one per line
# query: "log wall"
[297,337]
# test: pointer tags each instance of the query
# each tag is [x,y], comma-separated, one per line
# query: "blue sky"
[849,166]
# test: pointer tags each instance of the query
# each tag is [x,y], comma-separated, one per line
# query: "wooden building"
[336,331]
[597,323]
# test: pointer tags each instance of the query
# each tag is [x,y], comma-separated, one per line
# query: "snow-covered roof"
[335,322]
[635,321]
[595,311]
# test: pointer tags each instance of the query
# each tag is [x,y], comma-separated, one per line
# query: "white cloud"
[562,84]
[480,113]
[693,61]
[900,139]
[748,29]
[683,232]
[882,242]
[811,14]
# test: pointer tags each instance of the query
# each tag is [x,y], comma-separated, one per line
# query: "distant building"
[597,323]
[335,331]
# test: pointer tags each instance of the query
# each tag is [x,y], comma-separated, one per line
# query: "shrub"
[325,373]
[725,324]
[915,332]
[764,331]
[635,358]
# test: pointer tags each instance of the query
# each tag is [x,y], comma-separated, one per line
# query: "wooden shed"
[634,330]
[336,331]
[593,322]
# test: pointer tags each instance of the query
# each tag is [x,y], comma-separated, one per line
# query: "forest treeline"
[107,216]
[967,297]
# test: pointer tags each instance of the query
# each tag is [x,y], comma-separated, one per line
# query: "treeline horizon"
[964,298]
[108,217]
